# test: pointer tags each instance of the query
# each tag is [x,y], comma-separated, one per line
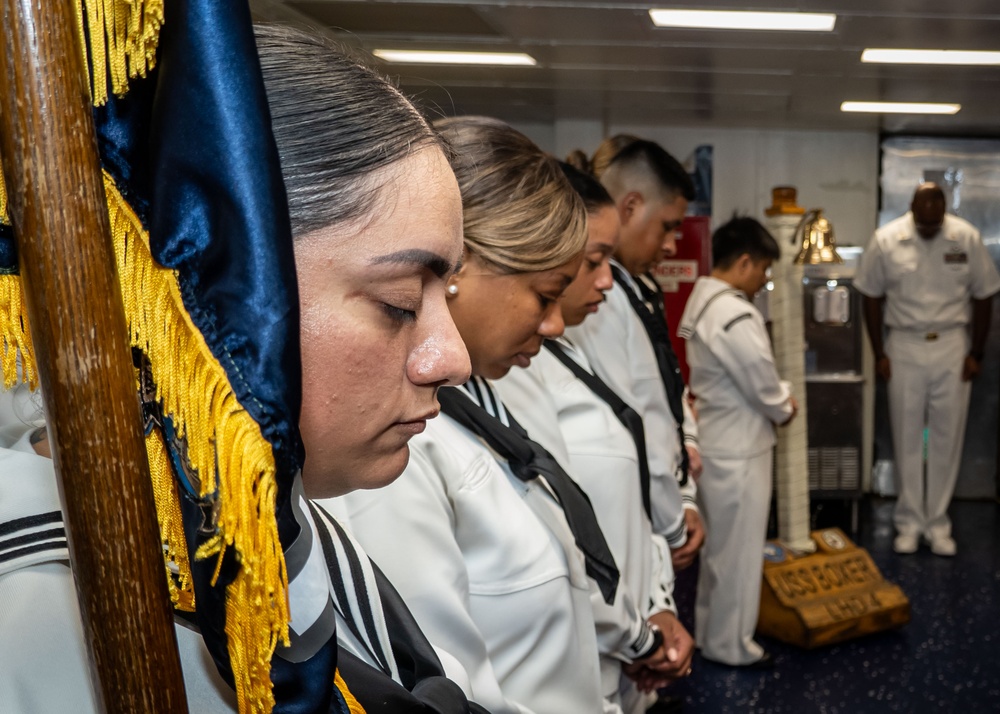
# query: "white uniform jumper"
[739,398]
[927,285]
[47,670]
[581,430]
[489,567]
[43,659]
[619,350]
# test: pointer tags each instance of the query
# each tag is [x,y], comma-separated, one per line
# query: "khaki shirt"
[927,283]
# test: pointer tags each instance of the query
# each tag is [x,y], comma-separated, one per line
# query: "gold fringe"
[222,439]
[15,335]
[4,218]
[123,36]
[116,35]
[353,705]
[168,512]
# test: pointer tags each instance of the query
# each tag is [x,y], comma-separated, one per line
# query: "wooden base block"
[832,595]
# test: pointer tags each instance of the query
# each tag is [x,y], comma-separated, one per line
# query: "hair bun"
[579,161]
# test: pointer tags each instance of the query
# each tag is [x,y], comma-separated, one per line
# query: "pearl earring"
[453,289]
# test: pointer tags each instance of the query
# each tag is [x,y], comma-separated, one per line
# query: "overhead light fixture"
[900,107]
[960,57]
[740,20]
[427,57]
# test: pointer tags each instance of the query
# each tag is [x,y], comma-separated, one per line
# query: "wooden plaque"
[832,595]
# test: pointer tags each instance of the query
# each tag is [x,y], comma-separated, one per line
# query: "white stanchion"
[792,453]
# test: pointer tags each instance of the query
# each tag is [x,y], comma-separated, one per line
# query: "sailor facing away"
[383,654]
[47,671]
[739,399]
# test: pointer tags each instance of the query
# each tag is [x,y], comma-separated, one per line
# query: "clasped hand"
[672,661]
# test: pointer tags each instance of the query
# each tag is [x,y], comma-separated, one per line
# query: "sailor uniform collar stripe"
[355,591]
[31,540]
[687,327]
[482,393]
[738,318]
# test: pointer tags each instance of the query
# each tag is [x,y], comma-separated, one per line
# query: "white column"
[787,326]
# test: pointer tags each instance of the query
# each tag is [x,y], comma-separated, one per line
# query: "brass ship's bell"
[815,235]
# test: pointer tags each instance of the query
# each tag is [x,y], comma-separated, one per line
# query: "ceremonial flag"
[202,237]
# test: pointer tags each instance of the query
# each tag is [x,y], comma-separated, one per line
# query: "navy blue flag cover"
[202,236]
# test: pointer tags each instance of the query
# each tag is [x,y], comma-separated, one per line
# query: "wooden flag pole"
[59,214]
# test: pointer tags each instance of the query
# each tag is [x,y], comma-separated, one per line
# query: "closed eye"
[398,314]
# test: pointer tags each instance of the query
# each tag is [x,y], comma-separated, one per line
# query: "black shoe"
[766,661]
[667,705]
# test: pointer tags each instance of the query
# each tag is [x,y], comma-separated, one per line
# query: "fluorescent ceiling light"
[423,57]
[740,20]
[930,57]
[900,107]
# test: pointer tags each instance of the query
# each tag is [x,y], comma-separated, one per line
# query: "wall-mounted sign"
[671,273]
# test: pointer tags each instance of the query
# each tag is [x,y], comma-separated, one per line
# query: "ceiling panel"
[604,58]
[404,19]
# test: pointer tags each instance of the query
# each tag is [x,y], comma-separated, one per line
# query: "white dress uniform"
[739,398]
[618,348]
[564,415]
[927,285]
[43,660]
[489,568]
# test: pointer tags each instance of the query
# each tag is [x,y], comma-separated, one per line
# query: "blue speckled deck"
[946,660]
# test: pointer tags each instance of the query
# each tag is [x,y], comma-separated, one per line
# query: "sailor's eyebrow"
[416,256]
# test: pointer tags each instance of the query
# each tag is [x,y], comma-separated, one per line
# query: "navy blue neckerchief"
[628,416]
[655,322]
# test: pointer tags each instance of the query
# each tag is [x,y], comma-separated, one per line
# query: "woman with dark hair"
[376,221]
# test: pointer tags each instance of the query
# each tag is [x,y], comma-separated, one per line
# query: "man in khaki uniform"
[935,278]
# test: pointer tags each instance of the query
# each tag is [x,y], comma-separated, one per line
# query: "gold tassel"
[168,512]
[123,36]
[15,335]
[222,439]
[4,218]
[353,705]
